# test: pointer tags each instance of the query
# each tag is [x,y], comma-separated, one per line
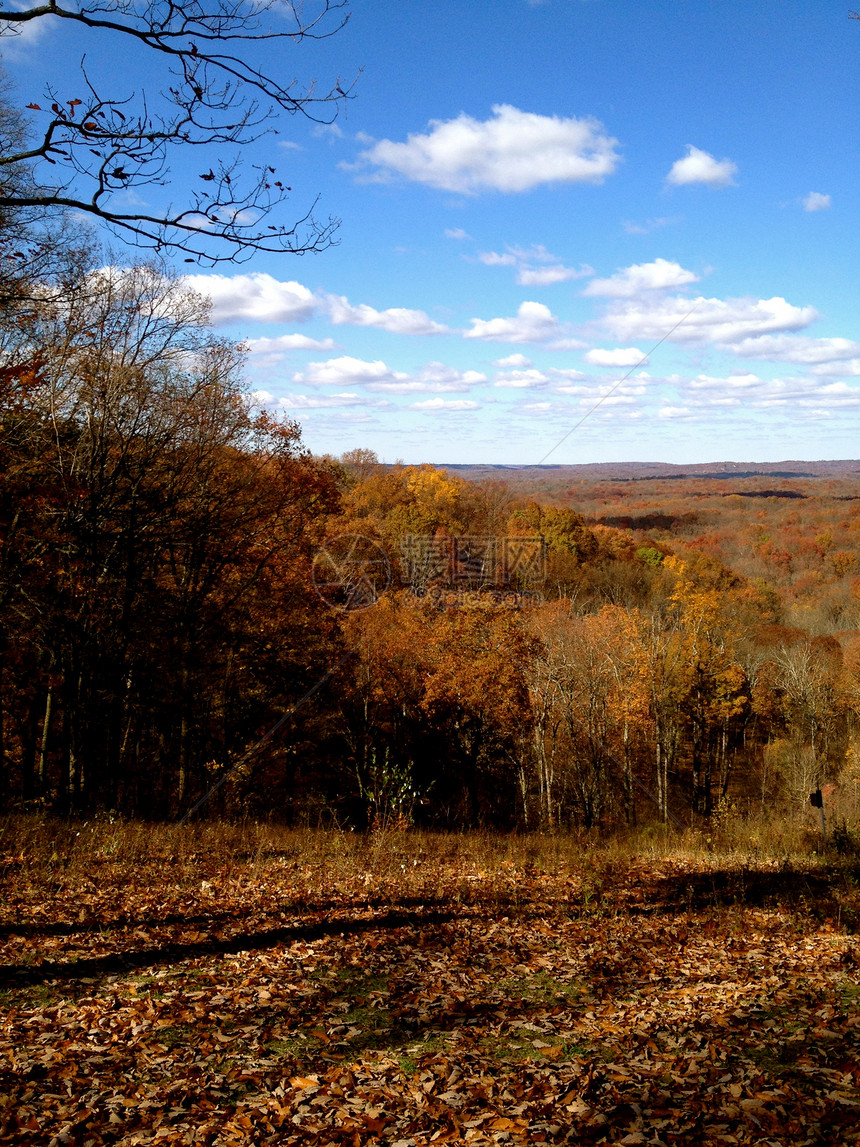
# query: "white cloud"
[435,377]
[313,402]
[624,395]
[798,348]
[647,227]
[539,408]
[749,390]
[510,152]
[699,166]
[533,323]
[17,45]
[345,371]
[677,412]
[536,253]
[398,320]
[445,406]
[522,379]
[840,394]
[378,377]
[329,131]
[616,399]
[630,356]
[457,233]
[513,360]
[354,417]
[494,259]
[569,374]
[849,367]
[703,321]
[734,382]
[549,269]
[532,379]
[254,298]
[288,342]
[816,201]
[613,409]
[320,401]
[544,276]
[566,344]
[628,282]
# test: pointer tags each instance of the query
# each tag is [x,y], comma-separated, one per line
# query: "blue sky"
[572,231]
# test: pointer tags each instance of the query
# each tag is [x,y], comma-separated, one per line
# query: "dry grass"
[47,839]
[43,848]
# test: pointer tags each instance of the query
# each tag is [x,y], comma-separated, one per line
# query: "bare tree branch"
[102,147]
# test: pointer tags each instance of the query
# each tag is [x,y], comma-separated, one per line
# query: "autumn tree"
[436,706]
[568,544]
[477,694]
[590,713]
[381,717]
[162,546]
[413,512]
[711,683]
[807,676]
[487,506]
[99,152]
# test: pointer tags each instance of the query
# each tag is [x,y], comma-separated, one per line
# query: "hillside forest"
[194,608]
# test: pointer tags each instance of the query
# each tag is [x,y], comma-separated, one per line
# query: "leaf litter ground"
[407,998]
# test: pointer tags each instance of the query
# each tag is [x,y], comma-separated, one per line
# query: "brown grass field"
[230,985]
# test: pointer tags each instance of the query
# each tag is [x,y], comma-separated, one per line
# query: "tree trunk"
[45,741]
[3,777]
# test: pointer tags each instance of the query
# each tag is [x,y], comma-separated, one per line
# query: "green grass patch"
[365,1017]
[356,980]
[509,1047]
[541,988]
[174,1036]
[38,995]
[289,1048]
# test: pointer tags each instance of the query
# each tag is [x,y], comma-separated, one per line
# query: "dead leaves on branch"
[287,1002]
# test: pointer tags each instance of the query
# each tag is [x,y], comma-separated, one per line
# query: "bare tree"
[102,147]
